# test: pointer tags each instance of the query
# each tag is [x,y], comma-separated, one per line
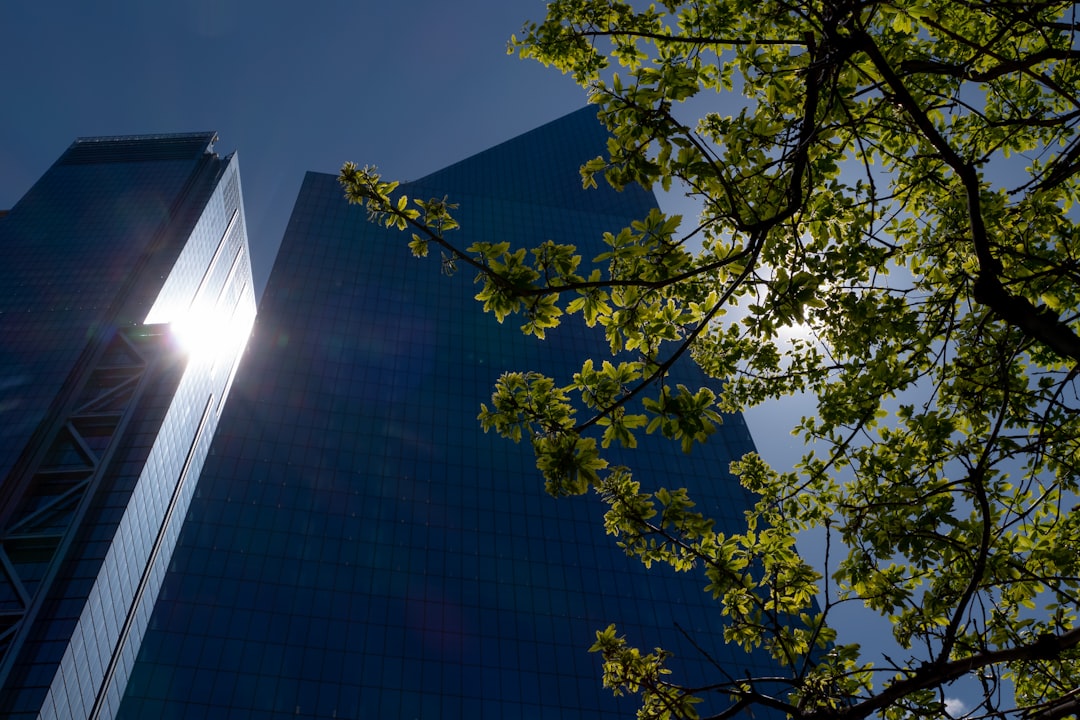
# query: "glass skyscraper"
[357,547]
[127,251]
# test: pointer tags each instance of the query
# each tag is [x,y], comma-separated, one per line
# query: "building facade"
[357,547]
[125,255]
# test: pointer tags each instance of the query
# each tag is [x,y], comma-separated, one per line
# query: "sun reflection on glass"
[211,333]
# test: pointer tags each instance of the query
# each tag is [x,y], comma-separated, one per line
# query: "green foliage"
[888,225]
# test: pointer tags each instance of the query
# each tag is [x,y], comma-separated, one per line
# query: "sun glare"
[210,334]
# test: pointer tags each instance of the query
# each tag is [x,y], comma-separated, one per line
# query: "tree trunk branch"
[1045,647]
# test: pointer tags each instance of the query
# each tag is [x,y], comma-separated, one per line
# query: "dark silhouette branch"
[1006,67]
[1045,647]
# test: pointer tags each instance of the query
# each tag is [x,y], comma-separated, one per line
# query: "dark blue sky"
[408,85]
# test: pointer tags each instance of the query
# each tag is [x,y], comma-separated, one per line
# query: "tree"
[888,226]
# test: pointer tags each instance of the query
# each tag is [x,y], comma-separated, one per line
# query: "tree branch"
[1045,647]
[936,67]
